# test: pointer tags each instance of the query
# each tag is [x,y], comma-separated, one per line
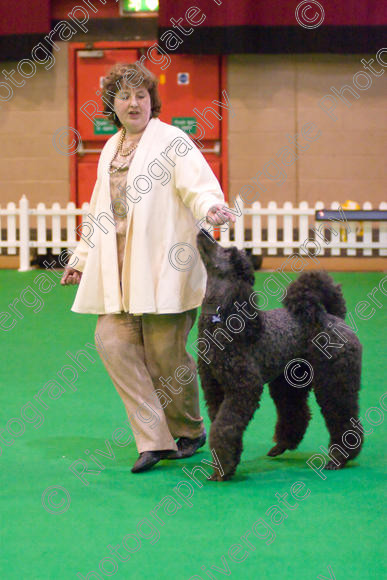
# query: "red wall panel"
[24,17]
[61,8]
[264,13]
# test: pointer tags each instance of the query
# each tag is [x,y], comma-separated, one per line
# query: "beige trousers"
[154,375]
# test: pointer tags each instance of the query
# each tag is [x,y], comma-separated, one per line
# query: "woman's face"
[133,108]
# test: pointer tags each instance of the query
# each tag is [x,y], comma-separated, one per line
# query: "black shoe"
[187,447]
[148,459]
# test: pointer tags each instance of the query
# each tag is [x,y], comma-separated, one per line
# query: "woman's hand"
[71,276]
[219,214]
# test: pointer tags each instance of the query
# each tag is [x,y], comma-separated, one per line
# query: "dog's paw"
[217,477]
[331,466]
[277,450]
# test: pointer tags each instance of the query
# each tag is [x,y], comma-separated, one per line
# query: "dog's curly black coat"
[242,362]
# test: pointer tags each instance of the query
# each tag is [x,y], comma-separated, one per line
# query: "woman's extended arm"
[199,189]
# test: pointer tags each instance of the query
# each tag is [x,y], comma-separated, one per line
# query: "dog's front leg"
[226,434]
[213,394]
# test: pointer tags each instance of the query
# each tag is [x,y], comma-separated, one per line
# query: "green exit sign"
[103,126]
[130,7]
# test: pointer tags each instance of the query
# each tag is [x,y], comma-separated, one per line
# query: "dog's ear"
[242,265]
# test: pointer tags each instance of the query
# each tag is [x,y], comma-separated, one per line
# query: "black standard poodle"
[245,347]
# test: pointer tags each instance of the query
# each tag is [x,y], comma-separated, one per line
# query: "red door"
[187,87]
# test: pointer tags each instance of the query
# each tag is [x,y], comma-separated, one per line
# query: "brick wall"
[272,96]
[29,163]
[277,95]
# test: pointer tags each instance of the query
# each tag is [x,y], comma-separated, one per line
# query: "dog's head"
[227,268]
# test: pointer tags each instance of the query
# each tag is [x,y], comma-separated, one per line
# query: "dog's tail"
[314,294]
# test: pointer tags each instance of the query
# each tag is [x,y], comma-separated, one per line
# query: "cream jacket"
[170,187]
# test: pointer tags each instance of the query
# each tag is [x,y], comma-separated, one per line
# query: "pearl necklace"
[120,150]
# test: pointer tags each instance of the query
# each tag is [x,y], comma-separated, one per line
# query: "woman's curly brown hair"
[134,76]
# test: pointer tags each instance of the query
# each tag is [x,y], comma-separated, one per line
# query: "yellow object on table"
[350,204]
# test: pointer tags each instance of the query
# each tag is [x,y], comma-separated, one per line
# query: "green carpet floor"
[335,532]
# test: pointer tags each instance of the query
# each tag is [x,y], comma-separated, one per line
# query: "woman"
[152,185]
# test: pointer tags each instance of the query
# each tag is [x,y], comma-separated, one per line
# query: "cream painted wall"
[29,163]
[277,95]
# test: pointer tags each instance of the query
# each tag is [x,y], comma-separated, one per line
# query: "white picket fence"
[46,219]
[60,223]
[289,218]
